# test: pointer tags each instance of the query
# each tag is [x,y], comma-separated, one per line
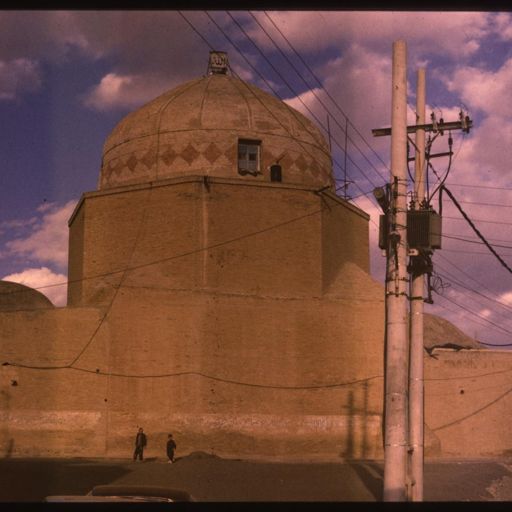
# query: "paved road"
[209,478]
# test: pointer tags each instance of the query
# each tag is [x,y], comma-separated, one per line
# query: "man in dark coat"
[140,443]
[171,446]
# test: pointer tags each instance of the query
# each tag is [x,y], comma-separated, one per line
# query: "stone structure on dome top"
[220,289]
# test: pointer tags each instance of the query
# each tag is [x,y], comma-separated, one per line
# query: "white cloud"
[108,92]
[16,224]
[43,279]
[488,91]
[503,25]
[48,242]
[18,76]
[153,51]
[40,34]
[506,298]
[486,313]
[454,33]
[124,91]
[307,102]
[159,46]
[364,95]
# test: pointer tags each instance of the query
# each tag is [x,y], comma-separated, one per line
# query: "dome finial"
[218,63]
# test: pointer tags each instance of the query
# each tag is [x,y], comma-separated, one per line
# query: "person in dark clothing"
[171,446]
[140,443]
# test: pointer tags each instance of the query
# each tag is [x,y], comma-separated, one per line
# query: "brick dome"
[200,128]
[16,296]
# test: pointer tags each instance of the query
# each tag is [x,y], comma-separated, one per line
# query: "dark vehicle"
[126,493]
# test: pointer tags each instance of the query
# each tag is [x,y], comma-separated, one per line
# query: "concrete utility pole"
[425,237]
[416,386]
[395,435]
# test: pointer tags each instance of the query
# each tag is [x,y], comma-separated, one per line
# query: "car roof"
[125,493]
[88,498]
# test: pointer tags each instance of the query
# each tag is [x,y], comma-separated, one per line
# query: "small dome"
[16,296]
[197,129]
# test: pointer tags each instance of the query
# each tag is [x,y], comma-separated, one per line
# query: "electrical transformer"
[424,228]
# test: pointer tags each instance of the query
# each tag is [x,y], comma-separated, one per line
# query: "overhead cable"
[301,76]
[475,229]
[324,89]
[268,84]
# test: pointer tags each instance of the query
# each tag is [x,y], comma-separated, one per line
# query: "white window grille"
[249,156]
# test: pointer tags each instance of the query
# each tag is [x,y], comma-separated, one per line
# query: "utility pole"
[423,237]
[395,428]
[416,386]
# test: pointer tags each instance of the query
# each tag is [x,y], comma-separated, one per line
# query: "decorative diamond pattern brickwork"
[132,163]
[315,171]
[212,152]
[115,166]
[168,156]
[231,152]
[149,159]
[301,163]
[189,154]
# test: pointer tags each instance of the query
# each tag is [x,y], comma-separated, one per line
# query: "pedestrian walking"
[140,444]
[171,446]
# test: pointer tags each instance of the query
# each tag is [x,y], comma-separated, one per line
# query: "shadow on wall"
[9,449]
[357,439]
[6,441]
[370,474]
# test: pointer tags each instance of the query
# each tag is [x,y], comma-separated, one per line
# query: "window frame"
[249,144]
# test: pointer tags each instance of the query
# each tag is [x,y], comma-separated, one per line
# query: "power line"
[270,87]
[131,268]
[453,280]
[473,241]
[479,186]
[466,377]
[116,290]
[247,86]
[266,82]
[481,220]
[180,255]
[300,75]
[472,318]
[324,89]
[470,222]
[496,344]
[469,252]
[500,205]
[463,272]
[198,374]
[184,254]
[477,314]
[492,402]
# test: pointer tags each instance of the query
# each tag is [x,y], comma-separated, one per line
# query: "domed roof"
[16,296]
[196,129]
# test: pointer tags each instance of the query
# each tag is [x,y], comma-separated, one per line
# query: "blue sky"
[66,79]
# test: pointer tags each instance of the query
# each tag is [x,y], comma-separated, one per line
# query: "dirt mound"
[201,455]
[440,332]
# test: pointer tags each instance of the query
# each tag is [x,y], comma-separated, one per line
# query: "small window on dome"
[249,157]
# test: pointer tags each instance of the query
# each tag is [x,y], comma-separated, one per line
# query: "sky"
[68,77]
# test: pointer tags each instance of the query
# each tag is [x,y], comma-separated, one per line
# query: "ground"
[209,478]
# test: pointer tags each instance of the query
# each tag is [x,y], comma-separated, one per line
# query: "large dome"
[16,296]
[198,128]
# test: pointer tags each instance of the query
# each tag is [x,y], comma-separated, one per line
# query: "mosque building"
[219,289]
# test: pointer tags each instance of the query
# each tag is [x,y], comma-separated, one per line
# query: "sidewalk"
[209,478]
